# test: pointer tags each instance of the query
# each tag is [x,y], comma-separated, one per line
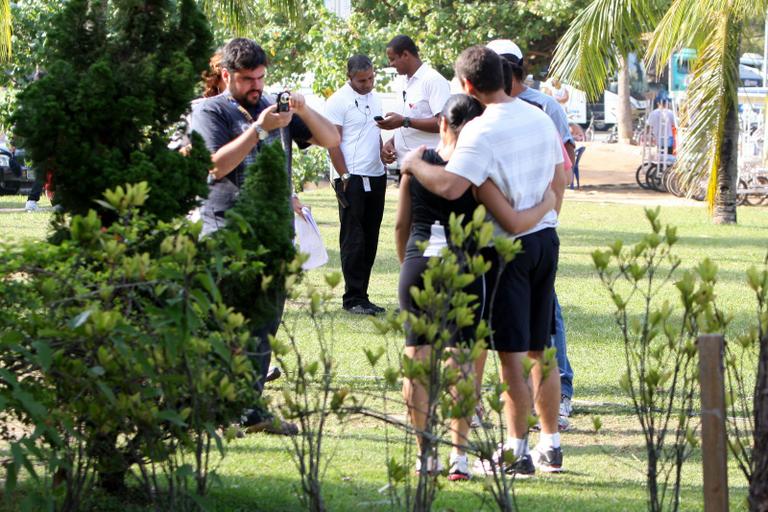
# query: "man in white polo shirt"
[361,181]
[516,145]
[515,87]
[424,94]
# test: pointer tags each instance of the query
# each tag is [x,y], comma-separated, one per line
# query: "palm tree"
[597,44]
[5,30]
[607,29]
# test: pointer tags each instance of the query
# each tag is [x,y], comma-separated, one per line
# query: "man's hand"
[388,154]
[410,158]
[297,103]
[391,121]
[270,119]
[297,207]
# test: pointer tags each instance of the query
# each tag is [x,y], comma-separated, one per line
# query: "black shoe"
[360,309]
[273,426]
[521,467]
[377,309]
[549,460]
[273,373]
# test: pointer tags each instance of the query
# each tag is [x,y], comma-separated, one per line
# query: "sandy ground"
[607,173]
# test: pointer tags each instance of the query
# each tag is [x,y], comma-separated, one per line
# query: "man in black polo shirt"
[234,125]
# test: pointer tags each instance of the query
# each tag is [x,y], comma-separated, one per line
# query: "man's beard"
[246,102]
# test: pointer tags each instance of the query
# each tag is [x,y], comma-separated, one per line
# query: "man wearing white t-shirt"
[515,145]
[361,181]
[424,95]
[661,123]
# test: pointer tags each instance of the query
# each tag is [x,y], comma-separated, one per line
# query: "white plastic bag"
[309,240]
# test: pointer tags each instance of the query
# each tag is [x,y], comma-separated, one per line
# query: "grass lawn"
[604,471]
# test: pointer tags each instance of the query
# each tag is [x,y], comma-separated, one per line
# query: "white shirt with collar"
[424,95]
[360,135]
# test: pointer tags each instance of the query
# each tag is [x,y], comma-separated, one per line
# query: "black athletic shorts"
[411,275]
[521,314]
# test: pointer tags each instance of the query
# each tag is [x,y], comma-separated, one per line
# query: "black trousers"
[36,192]
[359,234]
[260,354]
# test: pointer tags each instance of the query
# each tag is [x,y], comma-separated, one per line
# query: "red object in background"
[48,186]
[674,139]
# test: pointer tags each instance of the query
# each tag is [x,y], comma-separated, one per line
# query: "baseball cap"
[506,47]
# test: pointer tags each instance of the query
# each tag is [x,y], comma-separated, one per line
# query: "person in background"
[661,125]
[361,183]
[424,94]
[559,92]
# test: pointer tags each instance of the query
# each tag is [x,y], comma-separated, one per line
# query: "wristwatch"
[261,132]
[345,177]
[406,122]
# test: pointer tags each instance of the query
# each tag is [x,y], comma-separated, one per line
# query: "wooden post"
[714,450]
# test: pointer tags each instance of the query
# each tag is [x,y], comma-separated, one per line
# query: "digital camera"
[282,101]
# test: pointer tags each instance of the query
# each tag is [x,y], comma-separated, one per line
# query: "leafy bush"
[660,347]
[309,166]
[116,349]
[119,75]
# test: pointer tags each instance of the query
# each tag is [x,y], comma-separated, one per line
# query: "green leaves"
[601,34]
[121,333]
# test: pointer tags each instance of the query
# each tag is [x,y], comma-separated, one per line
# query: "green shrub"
[260,224]
[119,75]
[116,350]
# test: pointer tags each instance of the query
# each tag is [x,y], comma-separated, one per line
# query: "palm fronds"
[601,34]
[242,17]
[712,28]
[6,26]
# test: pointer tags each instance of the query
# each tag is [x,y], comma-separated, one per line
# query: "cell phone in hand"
[282,101]
[378,118]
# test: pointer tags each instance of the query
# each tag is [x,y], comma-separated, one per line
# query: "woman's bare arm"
[511,220]
[403,218]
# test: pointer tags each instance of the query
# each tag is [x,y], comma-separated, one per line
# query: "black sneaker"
[521,468]
[360,309]
[548,460]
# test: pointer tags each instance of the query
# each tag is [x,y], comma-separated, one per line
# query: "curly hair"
[212,76]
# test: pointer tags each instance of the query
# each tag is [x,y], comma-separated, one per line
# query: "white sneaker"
[31,206]
[566,408]
[434,467]
[459,468]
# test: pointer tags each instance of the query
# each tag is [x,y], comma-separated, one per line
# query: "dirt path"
[607,174]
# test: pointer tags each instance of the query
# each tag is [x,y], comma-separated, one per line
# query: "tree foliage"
[320,42]
[119,74]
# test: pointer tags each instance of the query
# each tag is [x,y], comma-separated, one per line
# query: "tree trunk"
[624,114]
[728,172]
[758,487]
